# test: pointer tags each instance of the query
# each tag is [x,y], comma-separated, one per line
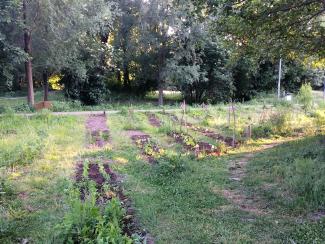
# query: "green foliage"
[305,97]
[86,222]
[170,166]
[261,27]
[90,89]
[279,124]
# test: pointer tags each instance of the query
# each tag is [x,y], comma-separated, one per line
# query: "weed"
[305,97]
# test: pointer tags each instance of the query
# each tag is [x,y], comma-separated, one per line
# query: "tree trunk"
[28,63]
[46,86]
[161,95]
[118,76]
[126,77]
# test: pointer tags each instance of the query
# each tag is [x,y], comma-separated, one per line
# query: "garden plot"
[154,120]
[200,149]
[98,131]
[150,150]
[96,180]
[206,132]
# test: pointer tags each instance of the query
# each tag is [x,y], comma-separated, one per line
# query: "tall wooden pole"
[279,80]
[28,63]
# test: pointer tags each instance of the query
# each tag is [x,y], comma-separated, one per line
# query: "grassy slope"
[32,202]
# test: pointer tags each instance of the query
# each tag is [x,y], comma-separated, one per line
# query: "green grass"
[33,181]
[180,199]
[295,171]
[185,206]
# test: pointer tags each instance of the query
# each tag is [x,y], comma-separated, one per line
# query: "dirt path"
[249,203]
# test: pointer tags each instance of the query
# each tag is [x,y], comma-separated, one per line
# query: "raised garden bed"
[200,149]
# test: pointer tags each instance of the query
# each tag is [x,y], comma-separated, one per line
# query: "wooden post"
[324,90]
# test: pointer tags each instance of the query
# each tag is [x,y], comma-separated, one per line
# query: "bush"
[305,97]
[94,89]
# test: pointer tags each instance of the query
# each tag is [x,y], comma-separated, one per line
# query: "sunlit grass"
[33,201]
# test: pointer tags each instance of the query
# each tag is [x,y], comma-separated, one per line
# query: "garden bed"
[154,120]
[108,186]
[98,131]
[200,149]
[211,134]
[95,179]
[150,150]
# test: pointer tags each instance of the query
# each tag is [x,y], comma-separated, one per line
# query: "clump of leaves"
[87,222]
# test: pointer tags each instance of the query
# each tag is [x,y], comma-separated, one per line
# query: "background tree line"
[212,51]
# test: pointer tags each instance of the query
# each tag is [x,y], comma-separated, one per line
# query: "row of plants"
[200,149]
[98,211]
[149,148]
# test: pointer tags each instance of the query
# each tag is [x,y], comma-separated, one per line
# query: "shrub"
[305,97]
[89,88]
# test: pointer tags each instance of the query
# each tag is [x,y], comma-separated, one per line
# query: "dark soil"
[131,224]
[142,141]
[97,128]
[211,134]
[154,120]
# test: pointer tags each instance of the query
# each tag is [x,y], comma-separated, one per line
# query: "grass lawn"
[279,197]
[37,159]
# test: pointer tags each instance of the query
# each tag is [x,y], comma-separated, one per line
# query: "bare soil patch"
[154,120]
[97,129]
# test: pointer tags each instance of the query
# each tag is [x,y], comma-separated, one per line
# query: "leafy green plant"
[305,96]
[86,222]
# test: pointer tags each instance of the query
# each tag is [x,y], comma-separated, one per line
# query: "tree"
[28,50]
[11,55]
[277,28]
[65,35]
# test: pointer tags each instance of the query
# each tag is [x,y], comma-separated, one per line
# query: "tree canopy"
[212,51]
